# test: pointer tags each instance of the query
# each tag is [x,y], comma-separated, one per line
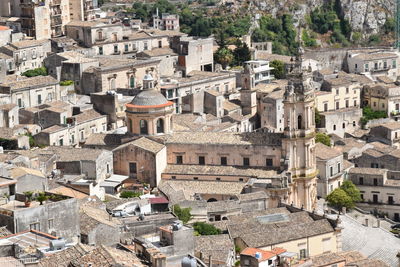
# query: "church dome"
[149,98]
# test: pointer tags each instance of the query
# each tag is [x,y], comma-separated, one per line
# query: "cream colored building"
[39,19]
[289,228]
[379,190]
[77,130]
[383,97]
[114,73]
[30,92]
[338,102]
[374,63]
[188,92]
[27,54]
[83,10]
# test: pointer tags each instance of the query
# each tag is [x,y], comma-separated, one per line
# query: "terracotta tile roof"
[323,152]
[33,82]
[64,257]
[265,255]
[88,115]
[226,138]
[220,170]
[145,144]
[373,171]
[216,246]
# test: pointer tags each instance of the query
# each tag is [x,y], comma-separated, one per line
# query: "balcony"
[56,21]
[379,69]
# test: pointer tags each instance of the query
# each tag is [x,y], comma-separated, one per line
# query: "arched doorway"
[143,127]
[160,126]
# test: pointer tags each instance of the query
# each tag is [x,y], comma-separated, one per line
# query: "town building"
[387,133]
[39,19]
[379,190]
[259,230]
[188,93]
[27,54]
[195,53]
[332,169]
[338,103]
[114,73]
[373,63]
[261,71]
[58,216]
[383,97]
[166,21]
[83,10]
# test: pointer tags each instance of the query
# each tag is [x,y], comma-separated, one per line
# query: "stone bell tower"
[299,136]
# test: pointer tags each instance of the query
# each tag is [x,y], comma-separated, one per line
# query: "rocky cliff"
[366,16]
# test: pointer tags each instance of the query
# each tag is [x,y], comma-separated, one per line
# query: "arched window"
[100,35]
[299,122]
[160,126]
[132,82]
[143,127]
[112,84]
[115,37]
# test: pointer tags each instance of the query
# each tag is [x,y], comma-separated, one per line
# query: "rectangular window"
[246,161]
[126,48]
[331,170]
[218,179]
[159,44]
[82,135]
[268,162]
[303,253]
[347,90]
[338,167]
[384,64]
[195,178]
[50,224]
[173,177]
[375,198]
[337,105]
[375,182]
[20,102]
[361,180]
[39,99]
[347,103]
[145,46]
[366,67]
[390,200]
[224,161]
[100,50]
[115,49]
[376,65]
[326,107]
[179,159]
[132,169]
[394,63]
[202,160]
[34,226]
[61,142]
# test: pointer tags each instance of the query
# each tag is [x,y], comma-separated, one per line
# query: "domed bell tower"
[299,136]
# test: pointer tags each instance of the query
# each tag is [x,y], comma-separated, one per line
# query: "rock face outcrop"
[365,16]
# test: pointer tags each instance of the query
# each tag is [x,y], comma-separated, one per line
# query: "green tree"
[241,54]
[369,114]
[182,213]
[308,40]
[41,197]
[42,71]
[323,139]
[338,198]
[279,69]
[318,118]
[223,56]
[206,229]
[351,190]
[129,194]
[374,39]
[389,26]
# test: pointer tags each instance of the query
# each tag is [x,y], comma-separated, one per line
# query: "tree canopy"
[279,69]
[351,190]
[224,57]
[182,213]
[206,229]
[339,199]
[323,139]
[42,71]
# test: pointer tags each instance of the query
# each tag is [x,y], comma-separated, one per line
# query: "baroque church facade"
[290,156]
